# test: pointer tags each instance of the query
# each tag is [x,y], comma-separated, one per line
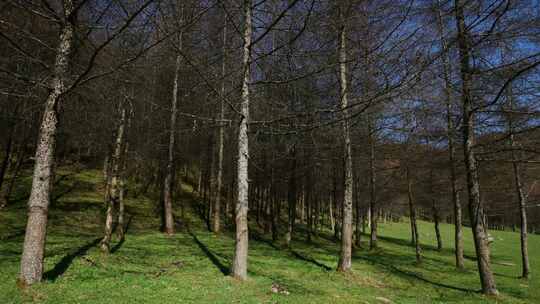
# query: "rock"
[276,288]
[383,300]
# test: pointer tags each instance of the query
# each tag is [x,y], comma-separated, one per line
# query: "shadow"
[76,207]
[506,276]
[61,267]
[211,256]
[257,237]
[13,236]
[310,260]
[126,228]
[407,243]
[117,246]
[416,276]
[66,191]
[123,239]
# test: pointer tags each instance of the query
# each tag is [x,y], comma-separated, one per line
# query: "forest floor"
[192,266]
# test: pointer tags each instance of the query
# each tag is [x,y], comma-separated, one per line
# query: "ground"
[192,265]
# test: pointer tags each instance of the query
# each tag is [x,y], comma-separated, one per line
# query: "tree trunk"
[412,214]
[239,266]
[372,212]
[122,192]
[345,262]
[331,215]
[522,201]
[291,197]
[274,214]
[7,156]
[308,203]
[436,220]
[31,270]
[458,229]
[114,189]
[168,187]
[221,138]
[523,218]
[358,229]
[475,207]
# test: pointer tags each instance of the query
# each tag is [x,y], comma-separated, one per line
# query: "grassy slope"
[189,267]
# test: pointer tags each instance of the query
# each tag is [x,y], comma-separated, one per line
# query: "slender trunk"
[331,215]
[291,197]
[345,262]
[335,205]
[435,210]
[239,266]
[436,220]
[458,229]
[275,213]
[372,212]
[523,218]
[308,203]
[522,201]
[31,269]
[221,139]
[114,189]
[122,192]
[267,210]
[475,207]
[168,187]
[358,218]
[7,156]
[412,213]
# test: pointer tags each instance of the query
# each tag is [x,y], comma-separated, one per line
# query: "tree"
[458,230]
[239,266]
[345,263]
[38,203]
[476,211]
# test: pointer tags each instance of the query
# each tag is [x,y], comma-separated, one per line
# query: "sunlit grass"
[191,266]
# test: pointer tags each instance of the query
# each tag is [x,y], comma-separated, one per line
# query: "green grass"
[191,266]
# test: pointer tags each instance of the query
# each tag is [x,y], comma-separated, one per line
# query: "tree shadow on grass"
[62,266]
[310,260]
[211,256]
[122,240]
[65,191]
[403,242]
[410,274]
[257,237]
[13,236]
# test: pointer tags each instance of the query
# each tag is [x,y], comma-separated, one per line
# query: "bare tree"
[476,211]
[345,262]
[239,265]
[38,204]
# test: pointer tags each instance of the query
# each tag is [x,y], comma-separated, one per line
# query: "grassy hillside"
[191,266]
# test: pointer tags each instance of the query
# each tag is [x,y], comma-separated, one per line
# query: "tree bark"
[436,221]
[522,201]
[221,139]
[7,157]
[475,207]
[291,198]
[239,266]
[122,189]
[358,228]
[412,214]
[31,270]
[345,259]
[372,212]
[458,229]
[113,196]
[168,187]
